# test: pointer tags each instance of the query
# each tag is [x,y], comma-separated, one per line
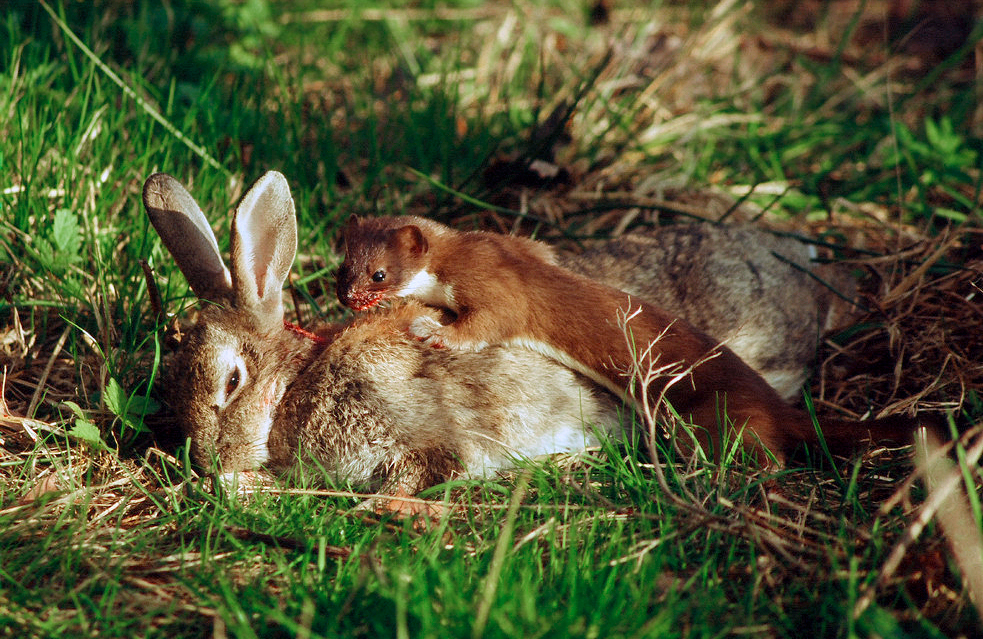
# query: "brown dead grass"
[920,345]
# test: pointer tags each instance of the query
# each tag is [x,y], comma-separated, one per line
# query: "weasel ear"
[411,240]
[353,222]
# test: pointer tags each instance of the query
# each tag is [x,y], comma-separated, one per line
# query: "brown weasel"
[510,290]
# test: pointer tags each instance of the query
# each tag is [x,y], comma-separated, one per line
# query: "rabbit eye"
[379,276]
[232,383]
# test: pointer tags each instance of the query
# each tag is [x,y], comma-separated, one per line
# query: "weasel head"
[381,256]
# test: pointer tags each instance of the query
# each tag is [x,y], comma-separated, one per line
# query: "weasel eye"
[379,276]
[232,383]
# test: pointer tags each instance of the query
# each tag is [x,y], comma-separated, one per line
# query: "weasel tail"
[509,290]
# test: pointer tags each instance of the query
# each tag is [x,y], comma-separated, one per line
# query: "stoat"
[510,291]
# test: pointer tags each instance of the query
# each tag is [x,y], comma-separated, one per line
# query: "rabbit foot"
[411,508]
[402,505]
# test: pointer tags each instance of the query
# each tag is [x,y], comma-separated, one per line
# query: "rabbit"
[364,401]
[736,283]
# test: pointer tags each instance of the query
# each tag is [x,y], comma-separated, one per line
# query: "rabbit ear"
[188,237]
[264,242]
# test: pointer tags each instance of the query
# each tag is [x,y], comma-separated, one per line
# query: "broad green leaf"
[46,253]
[951,214]
[66,235]
[87,432]
[75,408]
[115,398]
[140,405]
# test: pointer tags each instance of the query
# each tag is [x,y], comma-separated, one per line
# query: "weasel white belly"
[425,287]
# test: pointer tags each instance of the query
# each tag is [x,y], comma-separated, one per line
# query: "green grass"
[167,558]
[386,109]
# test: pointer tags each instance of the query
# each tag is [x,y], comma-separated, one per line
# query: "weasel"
[509,290]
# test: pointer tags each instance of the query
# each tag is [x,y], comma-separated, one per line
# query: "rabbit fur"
[758,292]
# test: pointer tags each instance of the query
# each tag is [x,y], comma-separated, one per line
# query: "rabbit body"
[369,402]
[378,401]
[736,283]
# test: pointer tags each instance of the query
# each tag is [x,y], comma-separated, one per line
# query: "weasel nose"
[343,286]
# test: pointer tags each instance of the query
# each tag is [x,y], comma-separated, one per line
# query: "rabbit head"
[237,361]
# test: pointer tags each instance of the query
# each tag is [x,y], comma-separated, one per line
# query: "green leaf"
[115,398]
[950,214]
[46,253]
[72,288]
[87,432]
[879,622]
[935,134]
[140,405]
[75,408]
[66,235]
[128,409]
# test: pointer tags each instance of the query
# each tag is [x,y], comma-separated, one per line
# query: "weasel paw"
[427,330]
[423,327]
